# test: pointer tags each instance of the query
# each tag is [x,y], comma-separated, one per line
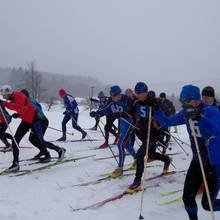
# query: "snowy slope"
[49,194]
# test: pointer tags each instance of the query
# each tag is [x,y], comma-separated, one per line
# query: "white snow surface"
[49,195]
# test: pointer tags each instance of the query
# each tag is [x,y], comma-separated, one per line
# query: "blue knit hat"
[151,94]
[115,90]
[141,87]
[101,95]
[190,92]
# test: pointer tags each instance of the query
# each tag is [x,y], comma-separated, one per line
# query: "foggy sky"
[117,41]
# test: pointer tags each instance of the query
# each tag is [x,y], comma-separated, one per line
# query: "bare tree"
[32,80]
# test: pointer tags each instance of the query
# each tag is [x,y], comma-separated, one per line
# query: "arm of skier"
[169,121]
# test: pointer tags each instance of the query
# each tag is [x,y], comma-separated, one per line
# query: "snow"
[49,194]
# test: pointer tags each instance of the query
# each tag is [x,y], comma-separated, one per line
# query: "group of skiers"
[141,115]
[134,115]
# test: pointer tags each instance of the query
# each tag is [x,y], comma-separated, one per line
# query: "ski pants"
[124,140]
[110,127]
[4,136]
[75,125]
[152,154]
[192,185]
[40,128]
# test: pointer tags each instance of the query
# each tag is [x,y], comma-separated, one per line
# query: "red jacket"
[22,105]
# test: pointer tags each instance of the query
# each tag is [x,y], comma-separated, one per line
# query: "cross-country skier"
[207,123]
[38,141]
[120,107]
[101,102]
[141,110]
[168,108]
[72,112]
[18,102]
[208,97]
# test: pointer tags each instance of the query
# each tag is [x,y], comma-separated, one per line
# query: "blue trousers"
[74,118]
[124,141]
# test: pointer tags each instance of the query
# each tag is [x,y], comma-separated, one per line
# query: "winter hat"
[62,92]
[6,90]
[163,95]
[190,92]
[101,95]
[151,94]
[141,87]
[208,91]
[115,90]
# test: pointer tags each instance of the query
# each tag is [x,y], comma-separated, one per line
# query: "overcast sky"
[117,41]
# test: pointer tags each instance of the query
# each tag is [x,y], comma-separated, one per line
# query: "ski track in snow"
[49,194]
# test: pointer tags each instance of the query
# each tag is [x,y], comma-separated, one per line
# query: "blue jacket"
[123,105]
[71,105]
[38,108]
[207,129]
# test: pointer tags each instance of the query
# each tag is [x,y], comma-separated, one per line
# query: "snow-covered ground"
[48,194]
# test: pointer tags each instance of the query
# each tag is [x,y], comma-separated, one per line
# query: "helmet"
[6,90]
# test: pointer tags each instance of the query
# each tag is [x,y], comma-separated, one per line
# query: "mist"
[164,43]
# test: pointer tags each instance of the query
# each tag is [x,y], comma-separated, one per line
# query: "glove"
[64,113]
[15,115]
[193,113]
[93,114]
[1,102]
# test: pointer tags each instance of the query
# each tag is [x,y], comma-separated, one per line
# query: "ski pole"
[3,114]
[55,129]
[109,146]
[187,154]
[146,159]
[183,142]
[130,123]
[192,127]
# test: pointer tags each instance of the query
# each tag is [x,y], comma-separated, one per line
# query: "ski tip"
[141,217]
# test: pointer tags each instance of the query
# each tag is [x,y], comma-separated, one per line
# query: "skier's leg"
[192,184]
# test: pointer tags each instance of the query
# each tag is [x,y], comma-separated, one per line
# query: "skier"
[168,108]
[130,93]
[4,115]
[18,102]
[141,109]
[208,97]
[206,120]
[120,107]
[101,102]
[38,141]
[72,112]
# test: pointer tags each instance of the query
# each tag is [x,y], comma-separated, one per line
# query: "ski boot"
[134,187]
[166,165]
[13,168]
[38,156]
[103,146]
[46,158]
[133,165]
[63,138]
[116,173]
[61,153]
[83,135]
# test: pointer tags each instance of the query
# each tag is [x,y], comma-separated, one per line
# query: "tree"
[32,80]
